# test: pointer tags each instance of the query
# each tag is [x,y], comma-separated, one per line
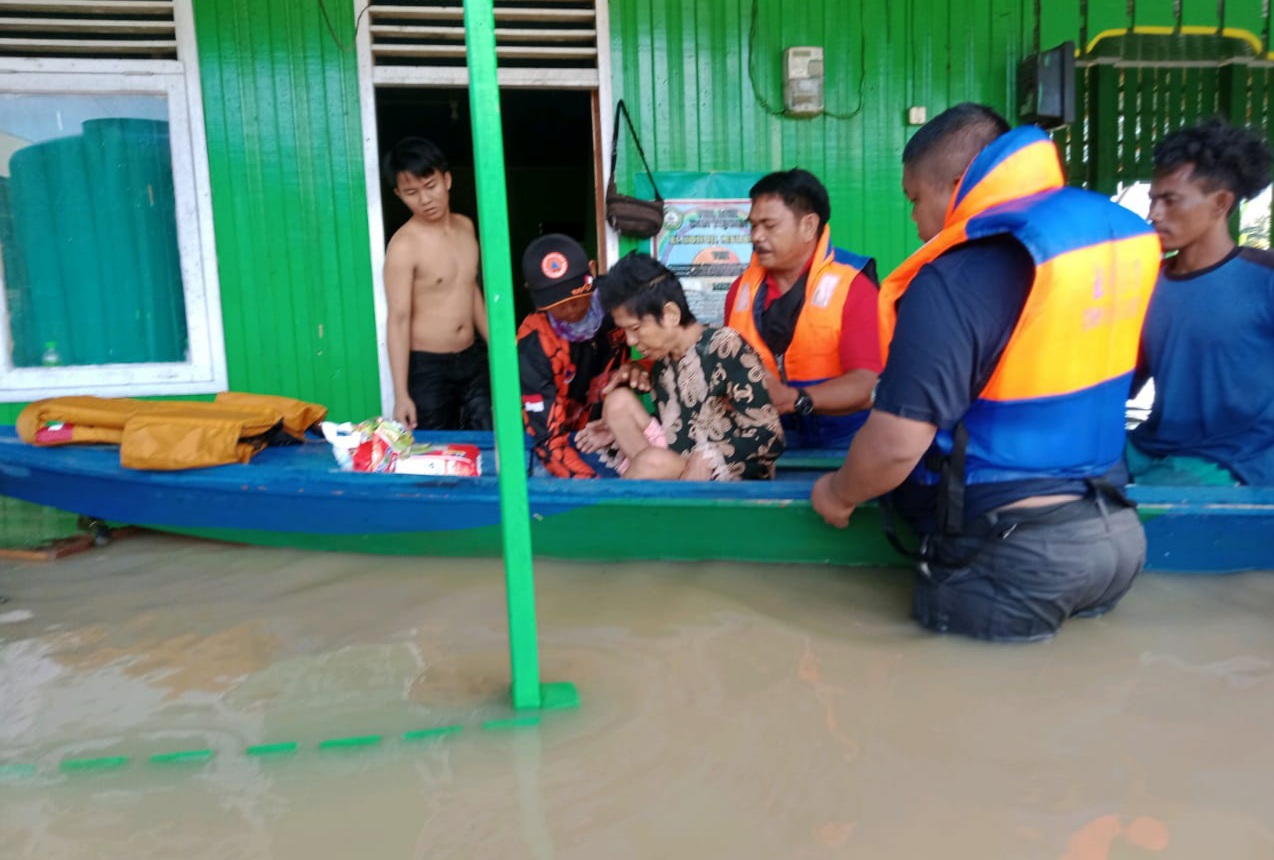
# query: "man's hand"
[631,375]
[595,436]
[783,396]
[833,510]
[405,412]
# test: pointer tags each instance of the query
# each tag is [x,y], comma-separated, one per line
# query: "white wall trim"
[36,65]
[371,76]
[606,114]
[188,51]
[458,76]
[375,204]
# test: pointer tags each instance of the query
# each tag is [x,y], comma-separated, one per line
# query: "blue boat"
[297,497]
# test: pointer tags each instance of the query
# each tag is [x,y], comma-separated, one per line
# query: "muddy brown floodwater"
[729,711]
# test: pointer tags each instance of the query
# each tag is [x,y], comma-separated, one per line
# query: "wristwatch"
[804,404]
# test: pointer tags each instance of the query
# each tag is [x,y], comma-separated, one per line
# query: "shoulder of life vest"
[1054,405]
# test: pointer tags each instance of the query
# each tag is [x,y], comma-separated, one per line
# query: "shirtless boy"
[431,287]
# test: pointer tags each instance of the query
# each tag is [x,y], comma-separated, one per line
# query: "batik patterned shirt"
[712,401]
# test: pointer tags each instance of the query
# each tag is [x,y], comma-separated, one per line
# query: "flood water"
[729,711]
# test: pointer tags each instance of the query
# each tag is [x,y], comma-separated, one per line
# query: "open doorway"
[550,162]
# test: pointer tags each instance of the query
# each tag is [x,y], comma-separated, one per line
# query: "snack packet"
[374,445]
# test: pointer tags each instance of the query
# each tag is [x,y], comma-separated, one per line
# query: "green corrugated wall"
[683,66]
[290,209]
[281,103]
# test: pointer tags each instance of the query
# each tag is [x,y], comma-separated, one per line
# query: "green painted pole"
[493,219]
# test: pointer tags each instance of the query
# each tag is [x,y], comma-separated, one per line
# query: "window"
[106,257]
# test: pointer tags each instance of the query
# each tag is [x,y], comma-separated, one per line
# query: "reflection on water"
[729,711]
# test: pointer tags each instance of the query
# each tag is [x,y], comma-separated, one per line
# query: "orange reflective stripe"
[815,350]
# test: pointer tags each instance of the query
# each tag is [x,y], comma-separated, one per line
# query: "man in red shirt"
[809,309]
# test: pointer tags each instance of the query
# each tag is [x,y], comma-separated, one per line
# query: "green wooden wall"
[684,67]
[290,209]
[284,137]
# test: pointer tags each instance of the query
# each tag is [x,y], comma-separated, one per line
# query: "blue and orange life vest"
[814,353]
[1054,406]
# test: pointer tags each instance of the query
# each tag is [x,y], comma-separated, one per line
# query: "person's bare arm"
[480,314]
[881,457]
[399,274]
[841,395]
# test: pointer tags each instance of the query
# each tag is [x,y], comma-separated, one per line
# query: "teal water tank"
[94,222]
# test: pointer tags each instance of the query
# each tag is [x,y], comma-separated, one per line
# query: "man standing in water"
[431,287]
[1010,340]
[1209,336]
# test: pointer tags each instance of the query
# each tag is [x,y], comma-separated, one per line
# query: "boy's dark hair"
[1223,156]
[413,155]
[801,192]
[952,139]
[642,285]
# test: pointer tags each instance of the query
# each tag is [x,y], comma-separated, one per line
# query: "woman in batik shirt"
[714,419]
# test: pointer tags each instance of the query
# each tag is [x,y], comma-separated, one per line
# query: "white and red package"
[375,445]
[459,461]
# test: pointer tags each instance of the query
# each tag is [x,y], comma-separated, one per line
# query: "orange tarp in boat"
[171,434]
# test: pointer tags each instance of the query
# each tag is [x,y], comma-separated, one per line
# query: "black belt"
[999,524]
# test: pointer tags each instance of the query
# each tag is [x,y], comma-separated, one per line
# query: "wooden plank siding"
[285,151]
[290,211]
[698,108]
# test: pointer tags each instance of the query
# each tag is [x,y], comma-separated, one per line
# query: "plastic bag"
[374,445]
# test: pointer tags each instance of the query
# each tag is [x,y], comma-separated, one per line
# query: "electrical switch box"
[803,81]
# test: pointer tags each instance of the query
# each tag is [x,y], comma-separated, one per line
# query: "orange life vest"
[814,354]
[1054,406]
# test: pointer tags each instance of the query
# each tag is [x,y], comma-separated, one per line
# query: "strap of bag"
[622,109]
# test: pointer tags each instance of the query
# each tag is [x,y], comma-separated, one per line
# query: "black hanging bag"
[631,216]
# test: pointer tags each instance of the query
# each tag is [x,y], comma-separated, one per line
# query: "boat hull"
[296,497]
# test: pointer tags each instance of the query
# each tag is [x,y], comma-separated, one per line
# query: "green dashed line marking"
[348,743]
[272,749]
[114,762]
[515,723]
[280,749]
[430,734]
[184,757]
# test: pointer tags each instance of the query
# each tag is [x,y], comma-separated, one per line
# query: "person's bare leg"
[627,419]
[655,464]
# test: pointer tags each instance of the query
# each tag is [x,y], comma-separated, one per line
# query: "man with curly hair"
[1208,340]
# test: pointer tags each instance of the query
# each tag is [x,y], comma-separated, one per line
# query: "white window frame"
[178,81]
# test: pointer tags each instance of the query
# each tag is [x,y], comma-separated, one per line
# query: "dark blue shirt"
[1208,343]
[954,321]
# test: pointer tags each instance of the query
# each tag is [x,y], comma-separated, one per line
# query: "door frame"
[450,77]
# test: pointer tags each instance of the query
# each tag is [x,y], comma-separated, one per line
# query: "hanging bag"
[631,216]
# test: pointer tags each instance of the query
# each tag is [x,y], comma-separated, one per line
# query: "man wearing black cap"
[567,350]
